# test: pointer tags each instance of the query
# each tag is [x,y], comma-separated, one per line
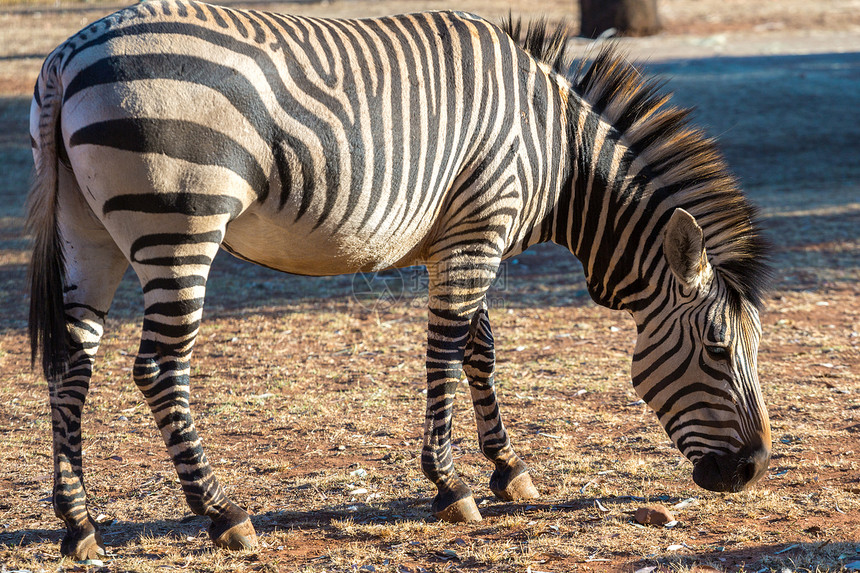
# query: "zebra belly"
[299,249]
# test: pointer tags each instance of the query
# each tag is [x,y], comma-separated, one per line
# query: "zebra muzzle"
[732,472]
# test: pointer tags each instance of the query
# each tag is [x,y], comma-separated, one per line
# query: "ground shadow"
[781,121]
[115,534]
[412,509]
[328,524]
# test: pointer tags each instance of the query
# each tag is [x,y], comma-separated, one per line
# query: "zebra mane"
[686,164]
[544,45]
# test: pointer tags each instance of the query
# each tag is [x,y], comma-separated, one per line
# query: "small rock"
[653,515]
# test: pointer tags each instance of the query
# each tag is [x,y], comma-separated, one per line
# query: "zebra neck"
[598,211]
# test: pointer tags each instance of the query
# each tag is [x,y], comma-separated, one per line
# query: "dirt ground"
[308,392]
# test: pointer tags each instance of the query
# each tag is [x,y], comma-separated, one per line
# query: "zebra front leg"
[510,480]
[446,338]
[456,289]
[161,371]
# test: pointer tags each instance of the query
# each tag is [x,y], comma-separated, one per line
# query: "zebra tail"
[47,323]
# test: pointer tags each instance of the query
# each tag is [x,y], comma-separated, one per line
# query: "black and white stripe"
[320,147]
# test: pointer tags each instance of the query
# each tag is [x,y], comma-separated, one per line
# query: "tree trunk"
[628,17]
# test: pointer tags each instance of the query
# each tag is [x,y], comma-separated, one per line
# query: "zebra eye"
[717,352]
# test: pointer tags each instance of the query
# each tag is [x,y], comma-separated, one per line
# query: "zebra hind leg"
[94,266]
[67,396]
[510,480]
[174,288]
[161,372]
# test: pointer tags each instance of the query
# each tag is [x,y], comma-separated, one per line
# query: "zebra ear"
[684,247]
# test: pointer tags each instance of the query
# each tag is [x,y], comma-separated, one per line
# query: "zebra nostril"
[748,471]
[707,475]
[753,463]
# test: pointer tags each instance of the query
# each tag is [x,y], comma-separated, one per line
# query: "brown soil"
[299,384]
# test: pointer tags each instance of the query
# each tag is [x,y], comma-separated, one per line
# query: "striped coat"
[173,128]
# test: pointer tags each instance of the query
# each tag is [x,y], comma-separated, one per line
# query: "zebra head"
[695,364]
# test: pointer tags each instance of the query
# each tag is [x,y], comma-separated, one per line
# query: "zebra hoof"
[461,510]
[239,536]
[83,545]
[521,487]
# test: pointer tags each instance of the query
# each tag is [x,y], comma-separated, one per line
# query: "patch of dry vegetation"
[312,417]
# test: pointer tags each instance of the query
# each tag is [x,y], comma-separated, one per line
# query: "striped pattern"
[320,147]
[663,232]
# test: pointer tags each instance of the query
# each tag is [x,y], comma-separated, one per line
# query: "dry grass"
[291,421]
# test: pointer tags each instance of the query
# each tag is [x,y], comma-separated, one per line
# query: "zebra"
[173,128]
